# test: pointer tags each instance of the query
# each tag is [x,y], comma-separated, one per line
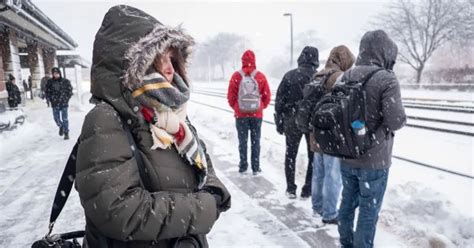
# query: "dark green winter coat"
[119,211]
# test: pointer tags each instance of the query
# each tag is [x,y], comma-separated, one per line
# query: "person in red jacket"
[248,120]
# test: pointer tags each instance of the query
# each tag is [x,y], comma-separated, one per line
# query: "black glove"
[280,126]
[216,196]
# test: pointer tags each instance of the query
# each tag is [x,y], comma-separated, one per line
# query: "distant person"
[58,92]
[290,92]
[30,86]
[25,90]
[248,95]
[44,81]
[326,184]
[365,179]
[14,94]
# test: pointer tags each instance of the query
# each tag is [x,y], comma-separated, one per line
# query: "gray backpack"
[249,93]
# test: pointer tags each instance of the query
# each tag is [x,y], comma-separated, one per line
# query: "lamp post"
[291,37]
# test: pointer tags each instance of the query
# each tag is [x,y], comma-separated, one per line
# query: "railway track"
[438,168]
[458,127]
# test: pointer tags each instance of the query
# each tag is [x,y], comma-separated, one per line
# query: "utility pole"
[291,37]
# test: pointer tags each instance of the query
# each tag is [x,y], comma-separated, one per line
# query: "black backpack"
[312,93]
[339,118]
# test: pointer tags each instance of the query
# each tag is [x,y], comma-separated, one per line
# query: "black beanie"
[55,69]
[11,77]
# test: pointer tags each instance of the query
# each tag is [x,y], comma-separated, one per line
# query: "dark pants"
[293,139]
[244,125]
[60,117]
[363,188]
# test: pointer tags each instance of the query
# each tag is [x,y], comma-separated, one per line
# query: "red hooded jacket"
[248,66]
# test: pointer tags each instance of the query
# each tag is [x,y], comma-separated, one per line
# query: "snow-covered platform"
[422,207]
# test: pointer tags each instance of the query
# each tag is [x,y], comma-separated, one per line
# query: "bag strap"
[64,187]
[252,75]
[138,157]
[369,76]
[69,174]
[366,79]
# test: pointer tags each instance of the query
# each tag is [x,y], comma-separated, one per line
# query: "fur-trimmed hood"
[125,46]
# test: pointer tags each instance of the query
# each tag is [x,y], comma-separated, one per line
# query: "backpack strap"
[254,72]
[242,73]
[369,76]
[69,174]
[364,81]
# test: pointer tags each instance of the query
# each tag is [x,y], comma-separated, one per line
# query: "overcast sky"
[262,22]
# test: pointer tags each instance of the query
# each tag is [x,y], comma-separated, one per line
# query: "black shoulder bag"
[69,240]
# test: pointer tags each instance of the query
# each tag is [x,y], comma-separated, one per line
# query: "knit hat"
[11,77]
[55,69]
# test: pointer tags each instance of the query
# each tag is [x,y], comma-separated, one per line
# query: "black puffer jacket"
[58,91]
[290,90]
[385,112]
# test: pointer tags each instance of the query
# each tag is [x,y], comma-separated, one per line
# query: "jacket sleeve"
[265,91]
[233,90]
[213,184]
[281,97]
[394,116]
[108,183]
[68,88]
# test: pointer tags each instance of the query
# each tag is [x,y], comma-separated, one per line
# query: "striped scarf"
[164,107]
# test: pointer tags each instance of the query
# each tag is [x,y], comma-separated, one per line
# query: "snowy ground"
[422,207]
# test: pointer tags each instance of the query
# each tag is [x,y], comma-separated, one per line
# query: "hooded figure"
[248,122]
[385,112]
[177,210]
[340,60]
[326,182]
[248,66]
[365,179]
[289,94]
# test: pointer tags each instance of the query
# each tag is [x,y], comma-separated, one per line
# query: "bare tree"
[222,50]
[421,27]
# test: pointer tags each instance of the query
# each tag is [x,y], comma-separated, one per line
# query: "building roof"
[31,23]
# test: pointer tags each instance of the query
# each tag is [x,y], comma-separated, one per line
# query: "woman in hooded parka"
[138,77]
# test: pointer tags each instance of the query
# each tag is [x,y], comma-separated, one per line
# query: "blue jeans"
[244,125]
[326,185]
[363,188]
[60,117]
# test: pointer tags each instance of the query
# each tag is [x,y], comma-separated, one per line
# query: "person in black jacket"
[14,94]
[290,92]
[58,93]
[30,86]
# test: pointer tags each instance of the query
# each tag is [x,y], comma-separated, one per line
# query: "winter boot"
[66,135]
[256,172]
[305,194]
[291,195]
[61,131]
[333,221]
